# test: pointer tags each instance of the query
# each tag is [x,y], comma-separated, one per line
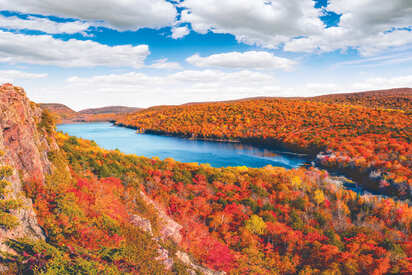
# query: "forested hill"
[397,98]
[400,98]
[64,114]
[368,143]
[110,110]
[59,216]
[70,207]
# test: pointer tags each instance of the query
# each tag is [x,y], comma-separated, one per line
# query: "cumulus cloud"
[46,50]
[12,75]
[246,60]
[121,15]
[372,15]
[42,24]
[180,32]
[261,22]
[370,26]
[163,64]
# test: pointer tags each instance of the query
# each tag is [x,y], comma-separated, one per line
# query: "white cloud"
[118,14]
[369,84]
[372,16]
[42,24]
[246,60]
[377,83]
[261,22]
[12,75]
[179,79]
[399,56]
[46,50]
[370,26]
[336,38]
[141,89]
[163,64]
[180,32]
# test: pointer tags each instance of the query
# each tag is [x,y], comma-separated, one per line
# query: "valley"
[192,137]
[93,210]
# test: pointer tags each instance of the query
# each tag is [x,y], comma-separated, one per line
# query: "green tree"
[7,220]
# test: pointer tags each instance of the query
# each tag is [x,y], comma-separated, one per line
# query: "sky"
[140,53]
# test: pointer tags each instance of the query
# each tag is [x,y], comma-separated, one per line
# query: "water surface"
[217,154]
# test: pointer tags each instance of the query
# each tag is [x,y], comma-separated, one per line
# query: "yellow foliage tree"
[256,225]
[319,197]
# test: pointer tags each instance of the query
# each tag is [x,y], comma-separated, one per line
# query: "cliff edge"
[25,142]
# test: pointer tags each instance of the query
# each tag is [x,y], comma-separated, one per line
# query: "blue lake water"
[217,154]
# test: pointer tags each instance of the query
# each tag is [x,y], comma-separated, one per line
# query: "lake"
[217,154]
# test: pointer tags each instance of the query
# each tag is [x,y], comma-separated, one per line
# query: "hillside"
[94,211]
[264,221]
[64,114]
[369,144]
[110,110]
[24,144]
[57,219]
[400,98]
[62,110]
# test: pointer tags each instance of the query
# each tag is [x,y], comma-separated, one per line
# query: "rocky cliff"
[25,143]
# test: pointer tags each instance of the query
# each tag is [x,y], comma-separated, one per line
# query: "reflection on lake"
[217,154]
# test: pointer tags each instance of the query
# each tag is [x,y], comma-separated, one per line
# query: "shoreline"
[359,175]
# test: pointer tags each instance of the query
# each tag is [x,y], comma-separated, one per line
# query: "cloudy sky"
[92,53]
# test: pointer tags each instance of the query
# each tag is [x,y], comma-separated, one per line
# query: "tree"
[256,225]
[319,197]
[7,220]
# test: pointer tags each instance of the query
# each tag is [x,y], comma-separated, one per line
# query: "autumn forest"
[105,212]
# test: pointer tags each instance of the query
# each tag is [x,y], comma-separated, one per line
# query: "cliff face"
[25,146]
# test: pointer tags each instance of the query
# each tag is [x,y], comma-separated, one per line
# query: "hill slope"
[400,98]
[64,114]
[105,212]
[370,144]
[62,110]
[24,145]
[58,219]
[110,110]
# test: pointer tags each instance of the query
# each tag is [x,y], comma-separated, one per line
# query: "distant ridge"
[387,92]
[400,98]
[61,110]
[396,98]
[110,110]
[65,114]
[57,107]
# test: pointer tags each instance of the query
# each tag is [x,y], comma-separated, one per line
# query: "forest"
[105,212]
[240,220]
[369,144]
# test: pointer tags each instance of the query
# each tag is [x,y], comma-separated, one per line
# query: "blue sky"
[94,53]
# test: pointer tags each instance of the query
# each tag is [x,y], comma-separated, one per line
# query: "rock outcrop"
[25,146]
[26,138]
[169,229]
